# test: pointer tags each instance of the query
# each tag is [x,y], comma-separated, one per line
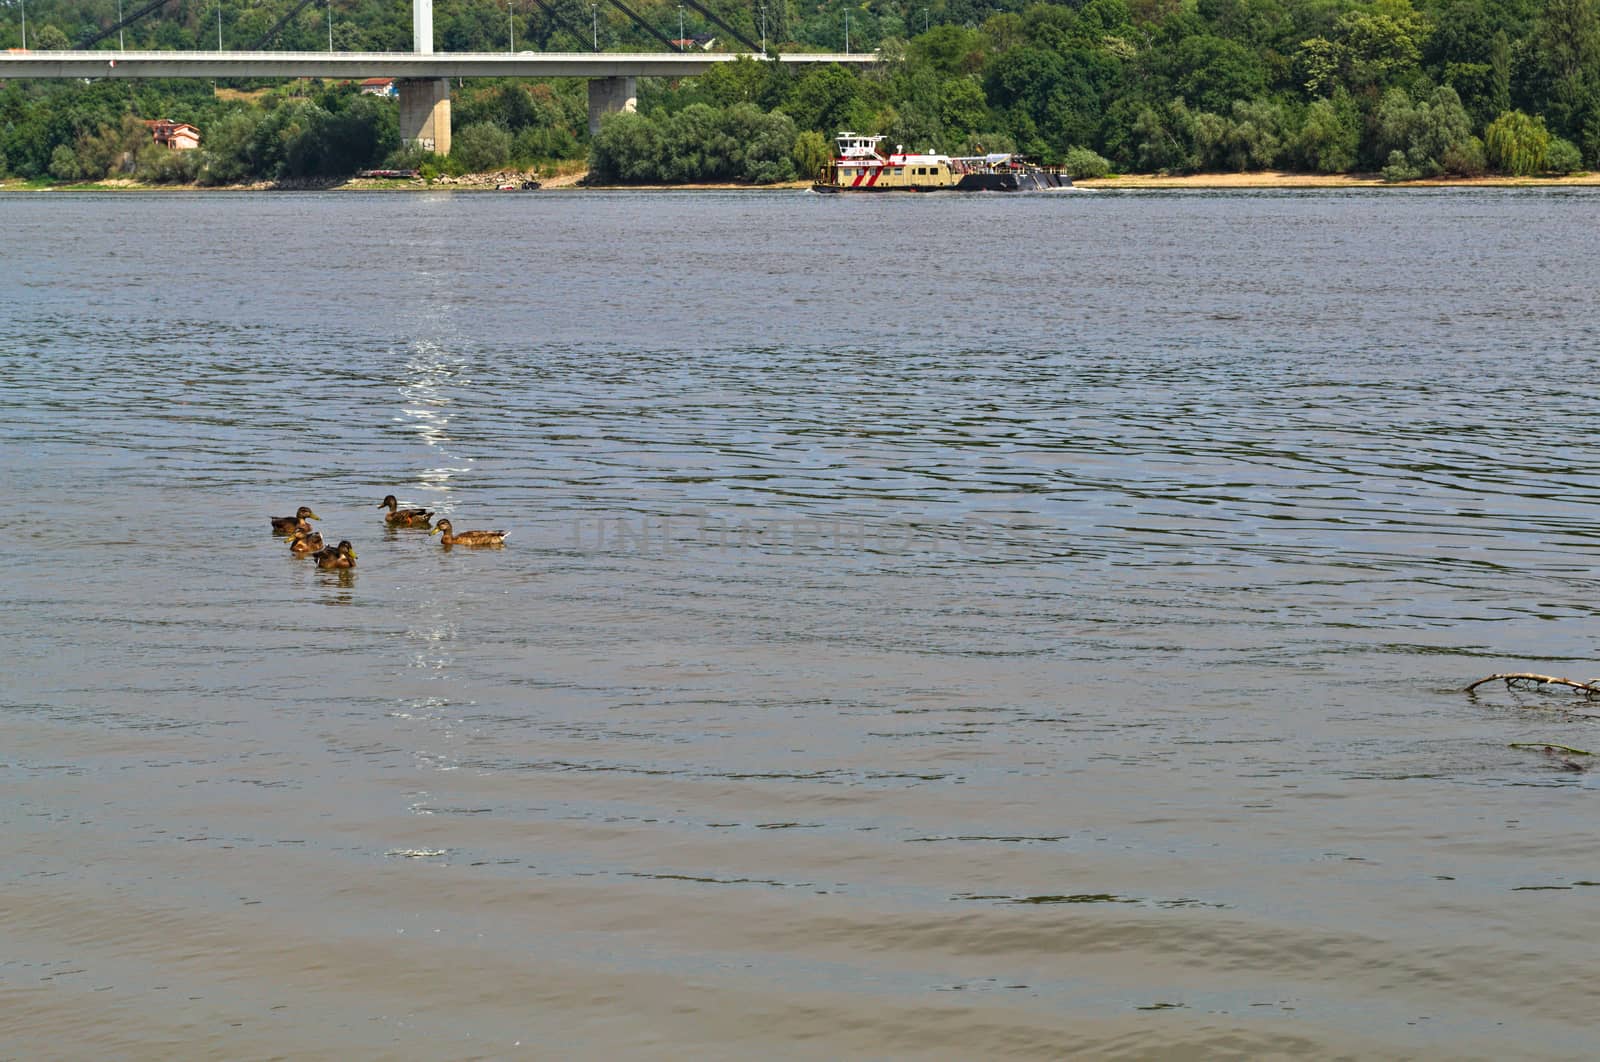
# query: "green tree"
[1563,157]
[962,106]
[47,38]
[811,152]
[1330,134]
[64,164]
[1081,162]
[226,155]
[1567,50]
[826,98]
[627,148]
[950,50]
[1516,143]
[482,146]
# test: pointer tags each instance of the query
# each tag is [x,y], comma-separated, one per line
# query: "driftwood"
[1549,746]
[1528,680]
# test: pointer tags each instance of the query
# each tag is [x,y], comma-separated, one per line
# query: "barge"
[858,166]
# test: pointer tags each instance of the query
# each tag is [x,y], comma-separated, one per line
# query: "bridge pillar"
[608,95]
[425,113]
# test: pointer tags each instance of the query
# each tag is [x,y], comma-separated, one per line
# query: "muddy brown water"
[964,627]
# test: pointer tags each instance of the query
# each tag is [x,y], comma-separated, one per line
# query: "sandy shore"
[1279,179]
[573,181]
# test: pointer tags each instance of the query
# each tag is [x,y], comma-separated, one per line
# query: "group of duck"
[304,541]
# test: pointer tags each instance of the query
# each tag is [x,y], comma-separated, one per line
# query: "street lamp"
[119,26]
[511,27]
[330,27]
[924,20]
[681,37]
[24,25]
[594,16]
[763,29]
[219,27]
[847,32]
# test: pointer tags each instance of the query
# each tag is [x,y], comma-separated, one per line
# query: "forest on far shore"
[1407,89]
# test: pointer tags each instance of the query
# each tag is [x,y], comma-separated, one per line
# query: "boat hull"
[1023,181]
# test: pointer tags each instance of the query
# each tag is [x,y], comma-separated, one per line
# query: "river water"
[948,627]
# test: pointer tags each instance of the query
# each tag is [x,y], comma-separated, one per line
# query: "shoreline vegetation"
[1194,93]
[575,181]
[1181,93]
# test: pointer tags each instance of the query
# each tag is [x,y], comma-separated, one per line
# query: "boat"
[859,166]
[513,186]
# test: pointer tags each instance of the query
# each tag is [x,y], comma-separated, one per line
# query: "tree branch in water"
[1527,679]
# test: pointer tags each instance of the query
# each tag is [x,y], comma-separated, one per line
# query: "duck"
[303,542]
[467,538]
[341,556]
[398,517]
[282,525]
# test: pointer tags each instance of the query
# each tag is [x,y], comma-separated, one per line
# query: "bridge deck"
[115,64]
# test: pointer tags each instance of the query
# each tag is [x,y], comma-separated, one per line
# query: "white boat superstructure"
[859,165]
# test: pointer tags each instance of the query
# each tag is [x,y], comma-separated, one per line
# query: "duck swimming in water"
[282,525]
[467,538]
[341,556]
[398,517]
[303,542]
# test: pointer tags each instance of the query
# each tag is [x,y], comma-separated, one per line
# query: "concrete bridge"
[423,76]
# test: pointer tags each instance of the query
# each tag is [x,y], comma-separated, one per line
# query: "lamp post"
[763,29]
[24,25]
[924,20]
[594,16]
[680,28]
[119,26]
[847,33]
[330,27]
[219,27]
[511,27]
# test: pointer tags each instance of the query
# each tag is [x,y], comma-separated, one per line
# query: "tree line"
[1411,88]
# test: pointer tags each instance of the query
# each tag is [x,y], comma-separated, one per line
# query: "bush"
[173,167]
[1516,144]
[1080,162]
[1465,158]
[1563,157]
[484,146]
[410,157]
[535,144]
[64,164]
[1400,169]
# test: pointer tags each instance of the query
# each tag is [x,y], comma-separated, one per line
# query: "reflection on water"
[965,660]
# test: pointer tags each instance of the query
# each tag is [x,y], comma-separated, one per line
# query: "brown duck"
[467,538]
[282,525]
[341,556]
[303,542]
[398,517]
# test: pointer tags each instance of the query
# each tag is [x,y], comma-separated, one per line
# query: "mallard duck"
[398,517]
[282,525]
[303,542]
[341,556]
[467,538]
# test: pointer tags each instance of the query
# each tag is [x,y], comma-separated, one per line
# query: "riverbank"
[1279,179]
[575,179]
